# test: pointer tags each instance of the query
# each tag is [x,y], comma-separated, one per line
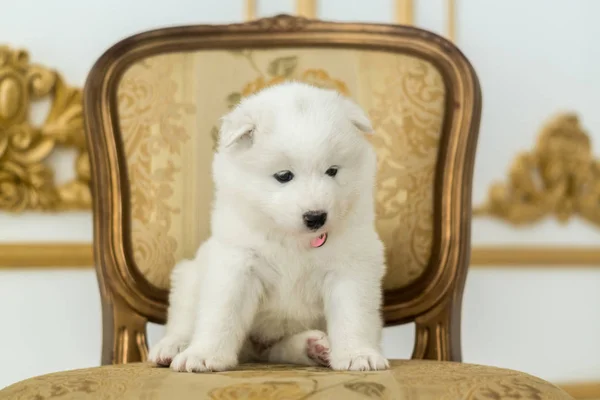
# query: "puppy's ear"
[358,117]
[236,128]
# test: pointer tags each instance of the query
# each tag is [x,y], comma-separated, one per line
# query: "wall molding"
[250,10]
[534,257]
[404,14]
[46,255]
[451,20]
[306,8]
[80,255]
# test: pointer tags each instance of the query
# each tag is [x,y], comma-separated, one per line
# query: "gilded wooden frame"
[432,302]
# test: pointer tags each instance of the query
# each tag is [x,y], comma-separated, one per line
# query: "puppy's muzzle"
[314,219]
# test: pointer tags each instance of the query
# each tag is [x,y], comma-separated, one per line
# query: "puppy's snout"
[314,219]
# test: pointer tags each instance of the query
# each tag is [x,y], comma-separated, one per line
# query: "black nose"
[314,219]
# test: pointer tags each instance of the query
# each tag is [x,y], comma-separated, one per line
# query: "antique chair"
[152,103]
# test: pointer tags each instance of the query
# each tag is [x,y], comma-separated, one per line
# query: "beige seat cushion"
[406,380]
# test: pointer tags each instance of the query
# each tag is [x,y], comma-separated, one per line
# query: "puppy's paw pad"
[317,348]
[366,360]
[163,353]
[193,361]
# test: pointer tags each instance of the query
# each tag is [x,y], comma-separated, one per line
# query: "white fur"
[257,279]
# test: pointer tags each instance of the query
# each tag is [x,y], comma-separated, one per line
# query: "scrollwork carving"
[277,23]
[26,179]
[559,177]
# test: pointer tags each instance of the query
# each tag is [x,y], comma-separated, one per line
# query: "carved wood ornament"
[26,179]
[559,177]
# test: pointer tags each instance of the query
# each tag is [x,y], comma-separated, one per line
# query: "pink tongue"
[319,241]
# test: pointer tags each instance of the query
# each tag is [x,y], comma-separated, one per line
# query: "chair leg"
[438,333]
[124,333]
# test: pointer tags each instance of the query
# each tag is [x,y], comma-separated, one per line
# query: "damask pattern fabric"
[170,106]
[407,380]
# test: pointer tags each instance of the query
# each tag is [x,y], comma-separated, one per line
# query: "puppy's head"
[296,157]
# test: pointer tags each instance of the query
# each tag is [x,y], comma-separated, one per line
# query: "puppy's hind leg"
[183,301]
[304,348]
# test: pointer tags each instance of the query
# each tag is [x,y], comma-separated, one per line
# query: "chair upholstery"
[407,380]
[169,108]
[152,105]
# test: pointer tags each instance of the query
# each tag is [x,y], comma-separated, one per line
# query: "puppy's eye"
[284,176]
[332,171]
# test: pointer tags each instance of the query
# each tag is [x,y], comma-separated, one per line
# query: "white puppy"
[293,252]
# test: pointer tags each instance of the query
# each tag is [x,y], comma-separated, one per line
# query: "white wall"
[533,58]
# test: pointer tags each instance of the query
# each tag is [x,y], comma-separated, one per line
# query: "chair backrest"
[152,104]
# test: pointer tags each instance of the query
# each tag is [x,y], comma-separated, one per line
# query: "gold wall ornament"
[26,179]
[559,177]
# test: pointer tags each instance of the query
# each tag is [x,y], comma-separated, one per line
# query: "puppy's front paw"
[165,350]
[192,360]
[360,360]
